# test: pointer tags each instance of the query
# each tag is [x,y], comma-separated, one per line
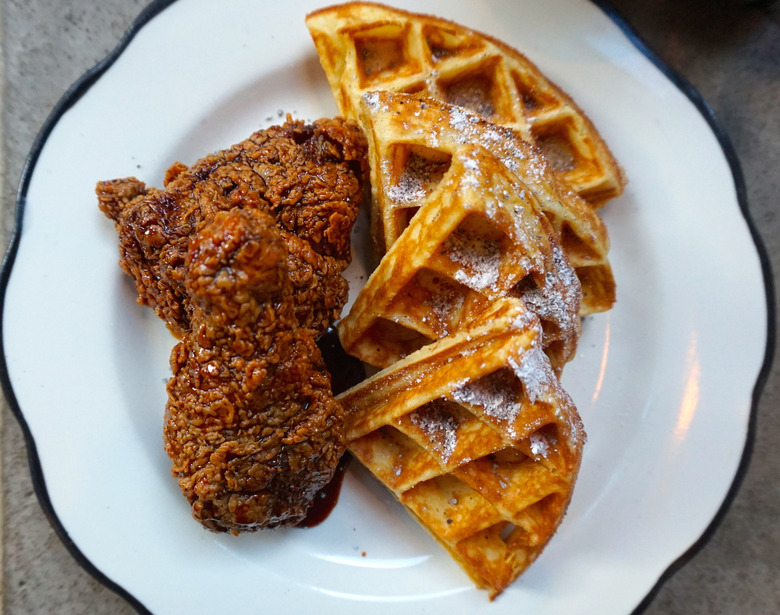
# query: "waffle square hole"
[497,398]
[450,508]
[559,143]
[417,170]
[455,435]
[527,285]
[382,51]
[537,522]
[559,152]
[443,44]
[403,217]
[431,301]
[387,341]
[476,90]
[475,249]
[544,441]
[417,87]
[535,100]
[438,422]
[575,248]
[597,283]
[402,459]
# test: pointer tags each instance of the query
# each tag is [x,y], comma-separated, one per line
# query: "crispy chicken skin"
[241,255]
[251,424]
[308,177]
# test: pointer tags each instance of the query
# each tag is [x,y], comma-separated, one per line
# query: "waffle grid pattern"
[478,238]
[365,47]
[487,456]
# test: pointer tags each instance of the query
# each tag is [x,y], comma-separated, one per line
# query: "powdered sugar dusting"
[525,319]
[479,256]
[516,154]
[533,369]
[444,302]
[408,189]
[494,394]
[439,426]
[540,445]
[372,100]
[461,120]
[472,176]
[558,299]
[417,179]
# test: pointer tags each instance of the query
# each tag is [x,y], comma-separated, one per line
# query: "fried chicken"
[241,255]
[308,177]
[251,424]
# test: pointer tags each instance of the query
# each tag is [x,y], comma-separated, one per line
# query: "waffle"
[475,437]
[479,237]
[412,144]
[365,47]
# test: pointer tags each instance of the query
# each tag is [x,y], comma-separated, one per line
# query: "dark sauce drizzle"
[345,372]
[327,497]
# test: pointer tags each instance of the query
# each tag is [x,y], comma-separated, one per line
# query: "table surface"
[729,50]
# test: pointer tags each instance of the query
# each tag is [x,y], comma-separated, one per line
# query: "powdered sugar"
[558,299]
[439,426]
[480,258]
[533,369]
[540,444]
[494,394]
[408,189]
[444,302]
[461,120]
[417,179]
[372,101]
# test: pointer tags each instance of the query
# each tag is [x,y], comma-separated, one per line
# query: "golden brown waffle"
[412,145]
[478,237]
[365,47]
[476,438]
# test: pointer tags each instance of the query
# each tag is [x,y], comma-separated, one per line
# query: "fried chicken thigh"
[251,424]
[308,177]
[241,255]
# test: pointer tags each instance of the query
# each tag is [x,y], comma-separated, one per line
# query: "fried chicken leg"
[241,255]
[251,424]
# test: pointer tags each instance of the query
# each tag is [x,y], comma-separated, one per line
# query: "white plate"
[663,382]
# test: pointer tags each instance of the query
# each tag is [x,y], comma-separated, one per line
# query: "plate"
[664,381]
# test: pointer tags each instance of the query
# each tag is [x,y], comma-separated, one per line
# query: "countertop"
[728,50]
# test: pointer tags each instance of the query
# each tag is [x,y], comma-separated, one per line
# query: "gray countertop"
[728,50]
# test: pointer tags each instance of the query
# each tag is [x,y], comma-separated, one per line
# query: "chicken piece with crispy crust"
[251,424]
[310,178]
[241,255]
